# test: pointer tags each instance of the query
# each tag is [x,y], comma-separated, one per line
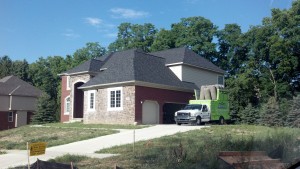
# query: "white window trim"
[218,79]
[10,115]
[89,100]
[108,99]
[68,83]
[66,112]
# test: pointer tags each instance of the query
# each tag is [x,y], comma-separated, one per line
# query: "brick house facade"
[129,86]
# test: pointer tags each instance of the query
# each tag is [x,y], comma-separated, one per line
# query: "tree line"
[262,65]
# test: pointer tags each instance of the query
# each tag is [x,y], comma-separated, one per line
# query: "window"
[10,116]
[204,108]
[221,80]
[115,98]
[67,105]
[91,100]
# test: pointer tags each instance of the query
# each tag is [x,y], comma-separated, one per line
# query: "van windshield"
[193,107]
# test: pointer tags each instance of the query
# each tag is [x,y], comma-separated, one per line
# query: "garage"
[150,112]
[169,110]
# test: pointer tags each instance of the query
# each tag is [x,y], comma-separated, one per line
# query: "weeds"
[68,158]
[200,148]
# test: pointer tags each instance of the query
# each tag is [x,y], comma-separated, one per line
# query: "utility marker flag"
[37,148]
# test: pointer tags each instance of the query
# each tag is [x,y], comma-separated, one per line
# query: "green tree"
[91,50]
[293,117]
[232,49]
[250,115]
[134,36]
[165,39]
[271,114]
[44,75]
[20,69]
[196,33]
[41,76]
[45,110]
[5,66]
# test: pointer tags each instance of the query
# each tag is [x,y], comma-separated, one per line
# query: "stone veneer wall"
[74,79]
[102,115]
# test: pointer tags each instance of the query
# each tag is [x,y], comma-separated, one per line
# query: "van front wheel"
[198,121]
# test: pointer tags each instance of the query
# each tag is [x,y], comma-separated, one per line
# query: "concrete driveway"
[88,147]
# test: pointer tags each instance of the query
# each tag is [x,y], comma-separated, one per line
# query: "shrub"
[271,114]
[250,115]
[45,110]
[293,117]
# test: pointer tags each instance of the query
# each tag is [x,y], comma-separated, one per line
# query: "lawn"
[18,137]
[199,148]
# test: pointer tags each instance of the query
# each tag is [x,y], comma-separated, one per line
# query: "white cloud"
[70,34]
[93,21]
[127,13]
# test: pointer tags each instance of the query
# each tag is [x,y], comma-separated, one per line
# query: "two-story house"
[18,101]
[134,86]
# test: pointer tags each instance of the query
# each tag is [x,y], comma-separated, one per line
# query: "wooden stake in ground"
[28,155]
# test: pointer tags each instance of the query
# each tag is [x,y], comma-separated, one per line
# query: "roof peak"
[6,78]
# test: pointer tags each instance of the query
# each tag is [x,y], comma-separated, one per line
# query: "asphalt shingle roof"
[187,56]
[135,65]
[92,65]
[12,85]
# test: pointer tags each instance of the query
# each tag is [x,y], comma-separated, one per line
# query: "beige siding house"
[17,102]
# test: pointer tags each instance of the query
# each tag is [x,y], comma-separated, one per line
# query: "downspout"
[10,104]
[10,97]
[10,101]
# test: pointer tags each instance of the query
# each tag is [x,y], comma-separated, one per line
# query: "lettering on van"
[222,105]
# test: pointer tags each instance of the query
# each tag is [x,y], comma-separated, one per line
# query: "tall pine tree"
[45,110]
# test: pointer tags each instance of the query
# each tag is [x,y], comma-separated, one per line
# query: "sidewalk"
[88,147]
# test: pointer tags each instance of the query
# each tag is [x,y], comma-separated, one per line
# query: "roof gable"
[186,56]
[90,66]
[12,85]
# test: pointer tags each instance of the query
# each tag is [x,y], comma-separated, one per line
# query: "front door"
[78,101]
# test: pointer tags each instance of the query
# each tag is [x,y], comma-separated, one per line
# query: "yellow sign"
[37,148]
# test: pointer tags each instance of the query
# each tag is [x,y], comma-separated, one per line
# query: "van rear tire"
[221,121]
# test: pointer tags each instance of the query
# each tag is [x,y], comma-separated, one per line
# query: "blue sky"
[30,29]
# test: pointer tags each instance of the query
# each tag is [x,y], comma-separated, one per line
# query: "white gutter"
[181,63]
[107,84]
[77,73]
[139,83]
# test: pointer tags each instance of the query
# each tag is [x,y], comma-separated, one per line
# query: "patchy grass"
[67,159]
[18,137]
[102,126]
[199,148]
[2,152]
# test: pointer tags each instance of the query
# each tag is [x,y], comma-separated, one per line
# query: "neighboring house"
[134,86]
[17,102]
